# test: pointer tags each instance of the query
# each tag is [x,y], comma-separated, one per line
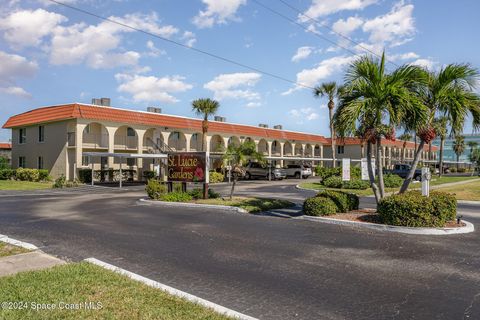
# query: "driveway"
[267,267]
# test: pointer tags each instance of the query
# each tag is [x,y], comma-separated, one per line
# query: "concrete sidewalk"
[35,260]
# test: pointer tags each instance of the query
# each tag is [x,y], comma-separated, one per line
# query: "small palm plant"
[205,107]
[236,157]
[331,90]
[459,147]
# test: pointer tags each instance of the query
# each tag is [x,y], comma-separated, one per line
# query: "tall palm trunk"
[440,165]
[380,167]
[411,174]
[204,135]
[233,186]
[331,105]
[371,174]
[458,159]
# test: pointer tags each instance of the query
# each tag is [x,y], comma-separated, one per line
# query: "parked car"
[298,170]
[402,170]
[257,170]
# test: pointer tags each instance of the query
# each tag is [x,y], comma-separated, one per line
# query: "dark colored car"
[402,170]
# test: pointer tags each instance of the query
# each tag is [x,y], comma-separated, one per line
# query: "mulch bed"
[369,215]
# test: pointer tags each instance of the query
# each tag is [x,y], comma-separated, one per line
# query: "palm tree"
[405,137]
[331,90]
[449,93]
[236,156]
[380,102]
[440,125]
[205,107]
[459,147]
[472,145]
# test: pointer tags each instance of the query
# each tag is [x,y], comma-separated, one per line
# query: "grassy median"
[9,250]
[108,294]
[470,191]
[23,185]
[252,205]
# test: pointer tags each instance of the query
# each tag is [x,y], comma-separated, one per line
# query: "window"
[340,149]
[21,162]
[40,163]
[22,135]
[87,129]
[130,132]
[131,162]
[41,133]
[85,161]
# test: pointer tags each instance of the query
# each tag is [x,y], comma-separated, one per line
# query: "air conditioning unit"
[220,119]
[104,102]
[263,125]
[154,109]
[278,126]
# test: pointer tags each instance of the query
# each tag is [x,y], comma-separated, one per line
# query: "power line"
[321,25]
[207,53]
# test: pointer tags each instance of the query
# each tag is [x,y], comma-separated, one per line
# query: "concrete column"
[225,142]
[390,157]
[111,144]
[78,147]
[269,144]
[282,144]
[209,138]
[140,135]
[188,138]
[165,135]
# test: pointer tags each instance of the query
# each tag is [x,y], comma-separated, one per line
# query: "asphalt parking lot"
[266,267]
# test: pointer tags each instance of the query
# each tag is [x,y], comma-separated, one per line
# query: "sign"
[365,168]
[346,169]
[187,167]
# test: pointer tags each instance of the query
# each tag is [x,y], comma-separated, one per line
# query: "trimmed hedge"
[357,184]
[319,206]
[330,202]
[155,189]
[411,209]
[333,182]
[392,181]
[25,174]
[7,174]
[176,197]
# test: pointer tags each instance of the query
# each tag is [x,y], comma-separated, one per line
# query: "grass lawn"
[252,205]
[9,250]
[119,296]
[434,182]
[469,191]
[23,185]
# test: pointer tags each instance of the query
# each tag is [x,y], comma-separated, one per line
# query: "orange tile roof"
[5,145]
[390,143]
[91,112]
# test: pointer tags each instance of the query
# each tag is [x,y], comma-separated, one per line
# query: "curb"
[468,228]
[468,202]
[144,202]
[175,292]
[300,188]
[18,243]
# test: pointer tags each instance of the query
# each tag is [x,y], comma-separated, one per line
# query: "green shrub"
[4,164]
[344,201]
[24,174]
[7,174]
[148,174]
[176,197]
[411,209]
[155,189]
[461,170]
[212,194]
[325,173]
[356,184]
[319,206]
[355,172]
[216,177]
[85,175]
[333,182]
[392,181]
[59,182]
[196,193]
[43,175]
[453,170]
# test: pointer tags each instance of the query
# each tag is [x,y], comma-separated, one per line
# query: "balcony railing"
[95,141]
[126,143]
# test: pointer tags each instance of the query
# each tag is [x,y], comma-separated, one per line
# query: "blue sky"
[51,54]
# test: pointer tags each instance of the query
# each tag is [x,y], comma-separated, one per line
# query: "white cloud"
[425,63]
[27,28]
[253,104]
[189,38]
[12,67]
[154,51]
[232,85]
[345,27]
[150,88]
[308,114]
[302,53]
[323,70]
[395,27]
[96,45]
[217,12]
[320,8]
[403,56]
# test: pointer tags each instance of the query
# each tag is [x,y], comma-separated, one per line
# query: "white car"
[298,170]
